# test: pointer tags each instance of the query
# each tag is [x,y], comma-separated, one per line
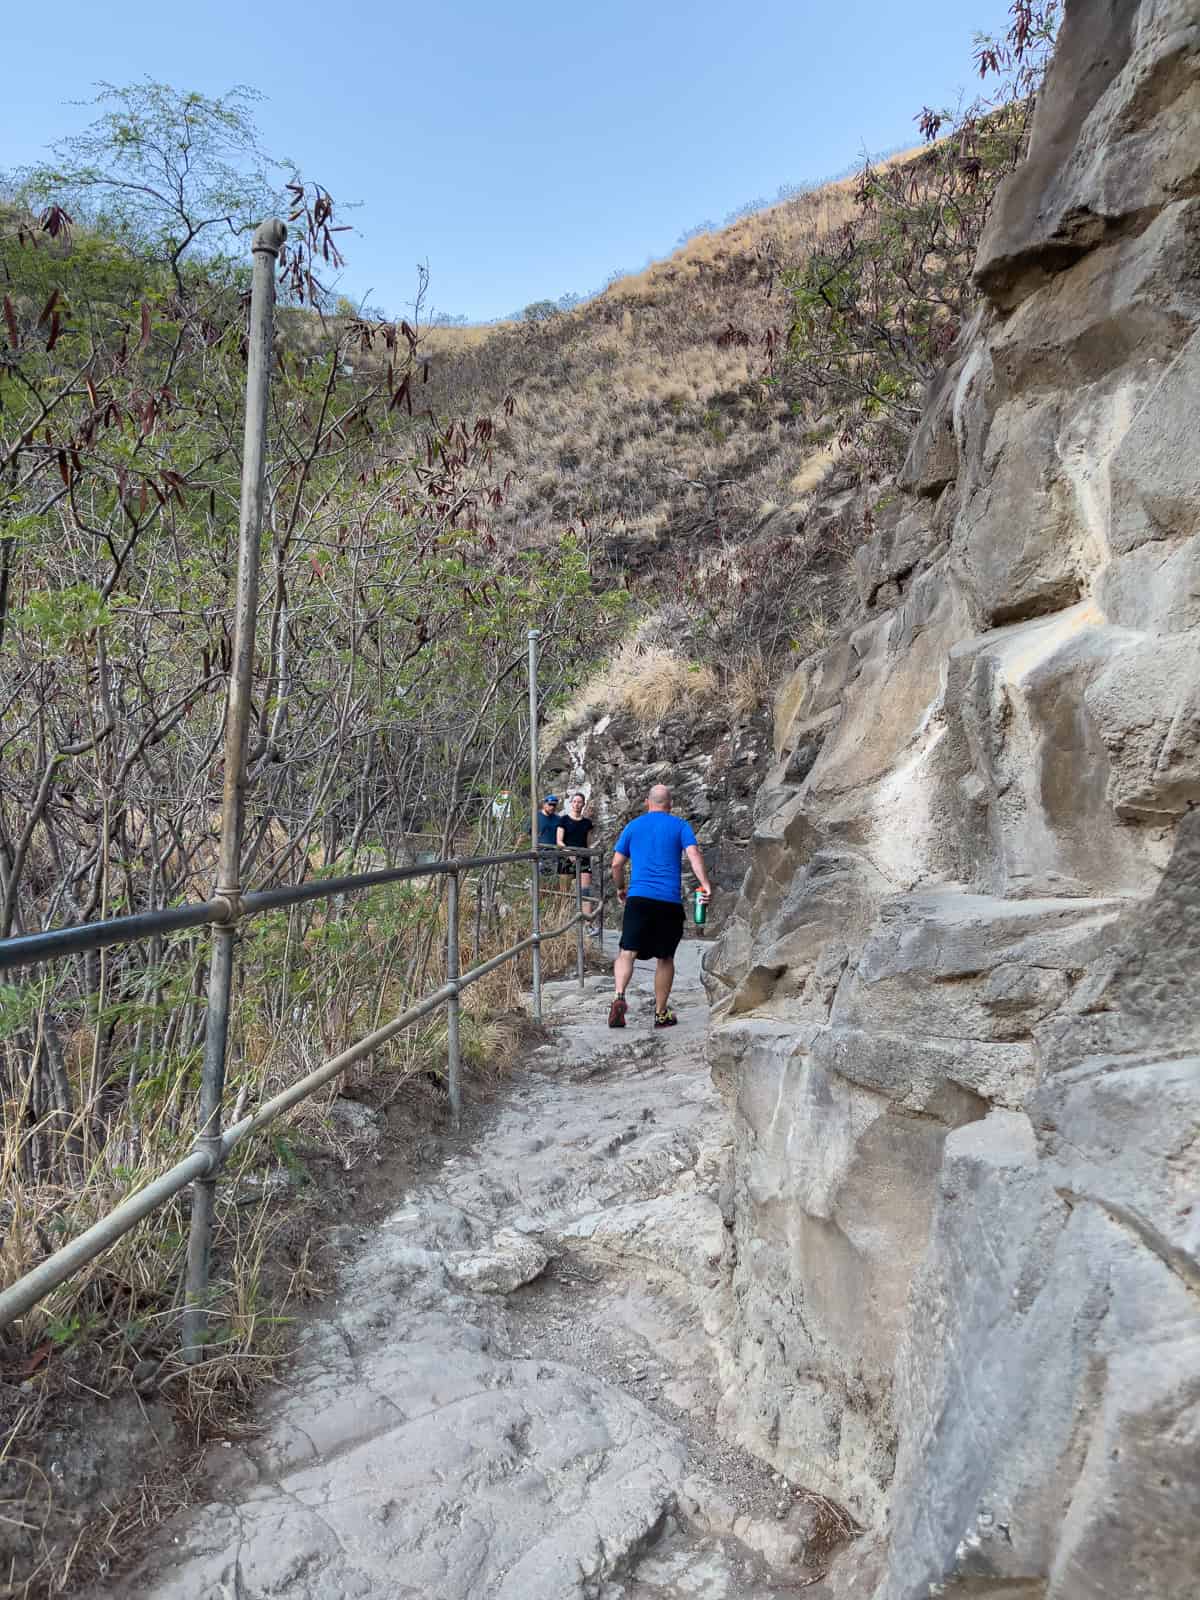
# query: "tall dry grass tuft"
[646,678]
[749,685]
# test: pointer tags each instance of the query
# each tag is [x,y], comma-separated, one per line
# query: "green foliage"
[540,311]
[166,171]
[19,1004]
[63,616]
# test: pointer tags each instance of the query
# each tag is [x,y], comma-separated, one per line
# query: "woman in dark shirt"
[573,830]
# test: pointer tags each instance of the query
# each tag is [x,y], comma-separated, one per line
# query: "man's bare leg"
[664,977]
[623,969]
[622,972]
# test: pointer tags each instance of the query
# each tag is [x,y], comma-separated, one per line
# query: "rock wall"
[956,1006]
[714,762]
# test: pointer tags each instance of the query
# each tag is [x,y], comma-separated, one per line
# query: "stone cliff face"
[714,762]
[957,1004]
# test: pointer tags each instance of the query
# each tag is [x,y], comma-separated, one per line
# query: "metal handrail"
[229,904]
[58,942]
[203,1162]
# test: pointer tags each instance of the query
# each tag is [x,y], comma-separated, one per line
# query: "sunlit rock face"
[956,1005]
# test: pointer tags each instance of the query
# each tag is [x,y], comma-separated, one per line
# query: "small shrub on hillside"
[876,307]
[750,684]
[647,677]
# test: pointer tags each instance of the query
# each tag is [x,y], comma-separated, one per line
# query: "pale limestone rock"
[1147,708]
[904,539]
[956,1007]
[932,460]
[510,1260]
[1049,1405]
[1113,140]
[1038,566]
[1153,468]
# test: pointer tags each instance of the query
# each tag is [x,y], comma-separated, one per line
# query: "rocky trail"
[513,1396]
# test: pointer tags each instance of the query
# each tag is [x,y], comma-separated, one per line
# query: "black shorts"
[652,928]
[566,864]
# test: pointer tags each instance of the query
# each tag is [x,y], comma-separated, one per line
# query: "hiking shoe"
[665,1019]
[616,1012]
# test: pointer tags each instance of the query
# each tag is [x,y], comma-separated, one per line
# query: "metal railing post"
[579,922]
[534,808]
[268,241]
[600,876]
[210,1149]
[453,1042]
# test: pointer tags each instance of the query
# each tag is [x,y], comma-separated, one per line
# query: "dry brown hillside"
[643,414]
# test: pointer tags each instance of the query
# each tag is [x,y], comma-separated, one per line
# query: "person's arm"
[559,836]
[696,862]
[618,873]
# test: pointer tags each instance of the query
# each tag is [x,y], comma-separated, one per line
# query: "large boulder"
[1049,1427]
[1113,141]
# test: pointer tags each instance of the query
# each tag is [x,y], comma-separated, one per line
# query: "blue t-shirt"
[548,827]
[654,843]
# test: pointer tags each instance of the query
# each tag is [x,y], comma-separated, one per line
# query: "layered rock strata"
[956,1007]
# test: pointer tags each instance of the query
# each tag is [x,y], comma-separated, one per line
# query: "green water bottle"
[700,909]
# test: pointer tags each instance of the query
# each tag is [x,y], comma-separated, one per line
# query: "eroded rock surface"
[957,1000]
[714,759]
[514,1398]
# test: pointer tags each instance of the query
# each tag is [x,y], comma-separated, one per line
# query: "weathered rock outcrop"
[714,761]
[957,1004]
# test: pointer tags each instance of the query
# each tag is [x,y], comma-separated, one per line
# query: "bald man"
[654,845]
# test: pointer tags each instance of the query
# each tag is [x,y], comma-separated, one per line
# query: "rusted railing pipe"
[453,1042]
[534,813]
[268,241]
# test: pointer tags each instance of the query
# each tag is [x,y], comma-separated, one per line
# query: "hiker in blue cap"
[547,832]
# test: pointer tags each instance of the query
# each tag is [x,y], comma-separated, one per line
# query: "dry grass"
[637,415]
[96,1332]
[663,683]
[814,469]
[645,678]
[442,340]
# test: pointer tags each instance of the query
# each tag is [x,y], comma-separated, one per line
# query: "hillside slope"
[644,414]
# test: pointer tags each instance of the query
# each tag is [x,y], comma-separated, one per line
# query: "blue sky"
[525,150]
